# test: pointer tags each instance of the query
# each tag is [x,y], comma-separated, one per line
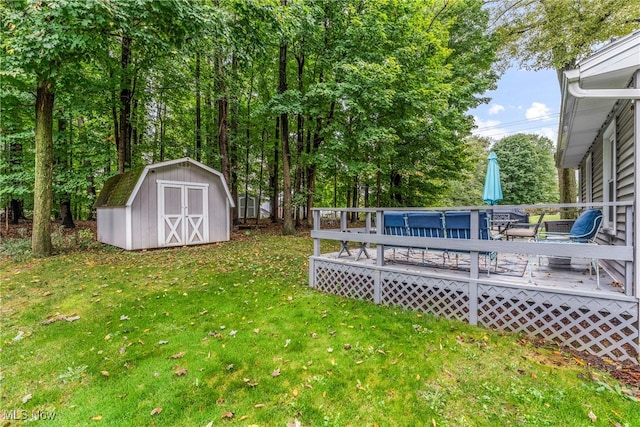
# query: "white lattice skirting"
[603,326]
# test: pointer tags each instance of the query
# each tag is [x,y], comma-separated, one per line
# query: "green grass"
[256,346]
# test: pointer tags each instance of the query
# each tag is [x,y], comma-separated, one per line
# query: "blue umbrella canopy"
[492,193]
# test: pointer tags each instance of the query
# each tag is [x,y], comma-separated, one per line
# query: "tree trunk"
[16,211]
[211,158]
[396,193]
[223,127]
[65,198]
[288,227]
[42,189]
[233,141]
[198,111]
[568,191]
[273,175]
[297,187]
[124,139]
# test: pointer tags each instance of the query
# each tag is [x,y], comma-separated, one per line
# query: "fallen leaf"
[124,317]
[46,294]
[27,398]
[330,350]
[105,373]
[209,424]
[156,411]
[256,331]
[177,355]
[71,318]
[244,417]
[259,405]
[276,372]
[107,337]
[97,418]
[181,372]
[579,361]
[295,392]
[163,342]
[227,414]
[593,417]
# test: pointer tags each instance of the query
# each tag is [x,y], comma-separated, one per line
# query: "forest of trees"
[305,103]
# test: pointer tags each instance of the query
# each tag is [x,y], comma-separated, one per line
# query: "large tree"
[556,34]
[47,39]
[527,169]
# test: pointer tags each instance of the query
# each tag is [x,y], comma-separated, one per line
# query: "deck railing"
[371,233]
[602,322]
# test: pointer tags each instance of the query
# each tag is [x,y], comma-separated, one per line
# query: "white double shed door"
[183,213]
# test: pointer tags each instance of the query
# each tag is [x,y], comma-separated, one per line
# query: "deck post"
[628,285]
[473,302]
[377,276]
[316,227]
[475,255]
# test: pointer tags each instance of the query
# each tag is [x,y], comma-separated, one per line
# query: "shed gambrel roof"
[117,189]
[121,189]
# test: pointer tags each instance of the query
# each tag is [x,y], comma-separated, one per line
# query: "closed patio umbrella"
[492,193]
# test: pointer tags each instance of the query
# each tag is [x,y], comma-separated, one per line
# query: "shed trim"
[189,160]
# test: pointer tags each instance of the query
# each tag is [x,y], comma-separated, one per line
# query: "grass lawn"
[230,334]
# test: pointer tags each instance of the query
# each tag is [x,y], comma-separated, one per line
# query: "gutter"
[574,88]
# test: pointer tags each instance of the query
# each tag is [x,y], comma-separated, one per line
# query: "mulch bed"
[625,372]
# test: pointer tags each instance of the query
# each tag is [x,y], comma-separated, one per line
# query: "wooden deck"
[512,292]
[514,269]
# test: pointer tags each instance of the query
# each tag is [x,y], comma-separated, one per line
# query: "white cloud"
[495,109]
[489,128]
[550,133]
[538,111]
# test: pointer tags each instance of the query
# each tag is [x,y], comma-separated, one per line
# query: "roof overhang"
[589,94]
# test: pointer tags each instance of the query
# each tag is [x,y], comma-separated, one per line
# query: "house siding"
[625,177]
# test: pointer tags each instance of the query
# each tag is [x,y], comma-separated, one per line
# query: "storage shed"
[174,203]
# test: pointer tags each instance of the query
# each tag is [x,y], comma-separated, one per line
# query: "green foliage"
[380,91]
[558,33]
[527,169]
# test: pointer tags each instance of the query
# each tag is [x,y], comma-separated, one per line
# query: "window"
[609,176]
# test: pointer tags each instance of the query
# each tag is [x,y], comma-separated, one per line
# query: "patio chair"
[458,226]
[395,224]
[523,230]
[584,231]
[425,224]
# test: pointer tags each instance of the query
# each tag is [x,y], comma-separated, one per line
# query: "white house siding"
[112,226]
[625,176]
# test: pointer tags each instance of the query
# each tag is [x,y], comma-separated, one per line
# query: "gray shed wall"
[112,226]
[144,209]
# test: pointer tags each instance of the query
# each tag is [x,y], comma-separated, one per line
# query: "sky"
[524,102]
